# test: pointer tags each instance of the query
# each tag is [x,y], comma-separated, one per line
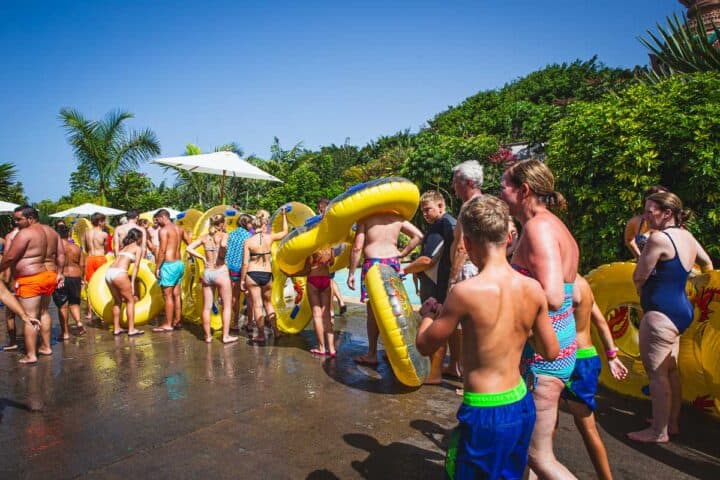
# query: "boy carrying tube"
[499,310]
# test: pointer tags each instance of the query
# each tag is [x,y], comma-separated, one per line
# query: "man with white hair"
[467,182]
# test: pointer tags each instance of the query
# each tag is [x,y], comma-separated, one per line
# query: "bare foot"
[80,330]
[647,436]
[62,338]
[369,361]
[672,429]
[460,391]
[10,348]
[28,360]
[229,339]
[46,353]
[163,329]
[318,351]
[208,339]
[257,339]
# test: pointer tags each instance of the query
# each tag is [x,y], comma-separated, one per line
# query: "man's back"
[501,307]
[172,235]
[95,241]
[33,242]
[381,235]
[54,245]
[72,259]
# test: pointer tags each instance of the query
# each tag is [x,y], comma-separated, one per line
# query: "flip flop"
[21,362]
[318,352]
[44,354]
[10,348]
[228,342]
[80,331]
[136,333]
[331,355]
[119,332]
[163,330]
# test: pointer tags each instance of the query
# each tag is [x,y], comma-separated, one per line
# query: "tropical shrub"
[605,153]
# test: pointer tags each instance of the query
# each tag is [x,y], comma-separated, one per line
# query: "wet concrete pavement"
[170,406]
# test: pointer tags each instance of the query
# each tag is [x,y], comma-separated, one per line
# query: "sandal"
[317,351]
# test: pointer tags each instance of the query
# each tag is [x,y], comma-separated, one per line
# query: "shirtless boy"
[122,230]
[498,309]
[35,284]
[54,262]
[170,269]
[9,282]
[376,239]
[94,245]
[580,390]
[67,295]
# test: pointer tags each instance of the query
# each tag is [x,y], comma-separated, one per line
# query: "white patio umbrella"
[218,163]
[87,209]
[7,207]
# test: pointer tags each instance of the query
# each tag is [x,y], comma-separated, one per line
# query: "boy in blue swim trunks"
[170,269]
[376,239]
[580,390]
[499,309]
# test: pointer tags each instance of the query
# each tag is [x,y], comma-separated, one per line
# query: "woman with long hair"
[660,277]
[547,252]
[215,275]
[122,285]
[256,275]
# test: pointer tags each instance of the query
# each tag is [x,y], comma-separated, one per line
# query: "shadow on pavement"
[395,460]
[695,451]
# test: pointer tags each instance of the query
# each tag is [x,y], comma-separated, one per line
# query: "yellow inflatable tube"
[151,301]
[192,286]
[392,194]
[292,317]
[397,322]
[699,355]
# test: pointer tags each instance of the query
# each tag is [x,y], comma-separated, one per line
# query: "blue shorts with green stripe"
[493,436]
[583,382]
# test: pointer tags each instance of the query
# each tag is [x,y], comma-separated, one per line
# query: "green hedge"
[605,153]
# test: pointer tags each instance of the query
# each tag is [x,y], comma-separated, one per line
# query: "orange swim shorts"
[92,264]
[42,283]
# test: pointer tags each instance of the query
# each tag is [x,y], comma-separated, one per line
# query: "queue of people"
[512,308]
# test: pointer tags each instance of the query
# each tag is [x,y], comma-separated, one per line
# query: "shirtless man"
[35,284]
[467,181]
[121,232]
[580,390]
[67,295]
[376,239]
[170,269]
[94,244]
[499,309]
[54,262]
[9,282]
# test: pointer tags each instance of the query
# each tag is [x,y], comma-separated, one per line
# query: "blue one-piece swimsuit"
[664,291]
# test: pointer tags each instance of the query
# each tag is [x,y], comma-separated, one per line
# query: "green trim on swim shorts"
[507,397]
[452,453]
[588,352]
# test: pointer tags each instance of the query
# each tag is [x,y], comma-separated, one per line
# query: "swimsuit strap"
[673,244]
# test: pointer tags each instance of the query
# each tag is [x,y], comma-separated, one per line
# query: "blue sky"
[315,72]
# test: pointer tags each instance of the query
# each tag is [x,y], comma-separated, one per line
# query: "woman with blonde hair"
[121,285]
[660,277]
[215,275]
[256,274]
[547,252]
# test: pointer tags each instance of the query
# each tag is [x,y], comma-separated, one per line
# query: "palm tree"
[10,189]
[105,147]
[681,49]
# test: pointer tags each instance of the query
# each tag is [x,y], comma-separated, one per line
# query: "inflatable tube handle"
[288,208]
[230,212]
[295,311]
[180,216]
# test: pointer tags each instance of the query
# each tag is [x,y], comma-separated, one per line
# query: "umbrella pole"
[222,190]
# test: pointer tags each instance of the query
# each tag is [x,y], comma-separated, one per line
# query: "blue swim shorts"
[583,382]
[493,436]
[171,273]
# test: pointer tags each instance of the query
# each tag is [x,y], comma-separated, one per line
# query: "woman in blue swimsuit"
[660,277]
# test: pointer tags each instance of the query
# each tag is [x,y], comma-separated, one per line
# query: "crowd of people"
[511,308]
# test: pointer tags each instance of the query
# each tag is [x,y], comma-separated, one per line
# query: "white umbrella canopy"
[218,163]
[7,207]
[87,209]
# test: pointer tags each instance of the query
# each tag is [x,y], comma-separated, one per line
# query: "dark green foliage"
[605,153]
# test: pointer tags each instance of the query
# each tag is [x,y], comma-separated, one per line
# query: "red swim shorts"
[92,263]
[42,283]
